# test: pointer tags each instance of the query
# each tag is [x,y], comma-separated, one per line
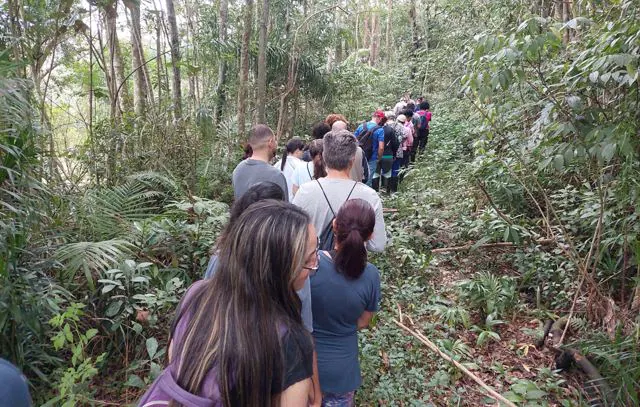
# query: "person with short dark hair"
[291,159]
[424,118]
[345,295]
[319,130]
[256,168]
[377,140]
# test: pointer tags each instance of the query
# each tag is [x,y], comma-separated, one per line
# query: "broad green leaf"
[152,347]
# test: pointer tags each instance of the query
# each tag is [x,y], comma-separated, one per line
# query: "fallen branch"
[469,246]
[494,394]
[485,246]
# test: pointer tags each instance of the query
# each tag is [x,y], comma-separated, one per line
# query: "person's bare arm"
[296,395]
[380,149]
[315,397]
[365,319]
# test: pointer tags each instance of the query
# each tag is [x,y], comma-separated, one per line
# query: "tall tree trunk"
[414,36]
[175,60]
[244,67]
[375,39]
[387,39]
[159,52]
[16,32]
[140,88]
[190,32]
[566,16]
[222,67]
[116,64]
[262,64]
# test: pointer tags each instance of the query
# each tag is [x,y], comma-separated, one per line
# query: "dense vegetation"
[120,123]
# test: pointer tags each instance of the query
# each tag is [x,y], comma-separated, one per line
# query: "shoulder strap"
[327,199]
[350,192]
[309,172]
[365,130]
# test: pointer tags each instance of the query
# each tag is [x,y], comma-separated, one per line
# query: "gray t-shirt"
[250,172]
[311,199]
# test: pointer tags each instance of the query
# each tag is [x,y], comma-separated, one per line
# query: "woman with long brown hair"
[238,338]
[345,293]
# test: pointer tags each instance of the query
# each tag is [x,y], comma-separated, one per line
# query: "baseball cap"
[402,118]
[379,114]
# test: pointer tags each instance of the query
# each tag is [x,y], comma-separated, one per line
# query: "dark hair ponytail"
[292,145]
[354,225]
[315,151]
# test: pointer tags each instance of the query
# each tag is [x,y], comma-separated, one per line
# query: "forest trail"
[432,293]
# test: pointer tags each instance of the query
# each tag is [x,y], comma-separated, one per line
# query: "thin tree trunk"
[139,82]
[375,39]
[355,60]
[262,64]
[222,67]
[414,35]
[175,60]
[387,40]
[193,53]
[158,54]
[566,16]
[244,67]
[116,65]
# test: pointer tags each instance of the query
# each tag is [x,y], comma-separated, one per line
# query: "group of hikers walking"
[275,321]
[288,286]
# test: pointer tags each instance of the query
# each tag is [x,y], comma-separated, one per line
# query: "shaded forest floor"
[438,207]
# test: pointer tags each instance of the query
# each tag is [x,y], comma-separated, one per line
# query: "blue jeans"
[373,164]
[396,167]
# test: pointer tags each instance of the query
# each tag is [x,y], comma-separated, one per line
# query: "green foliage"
[487,333]
[492,295]
[69,336]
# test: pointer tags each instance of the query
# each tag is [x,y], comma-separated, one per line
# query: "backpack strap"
[350,192]
[309,172]
[327,199]
[364,131]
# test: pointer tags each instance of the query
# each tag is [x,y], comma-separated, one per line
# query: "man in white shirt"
[322,198]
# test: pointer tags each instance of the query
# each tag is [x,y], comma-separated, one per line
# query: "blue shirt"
[378,136]
[304,294]
[337,303]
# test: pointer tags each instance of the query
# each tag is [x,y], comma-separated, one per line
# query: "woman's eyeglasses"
[316,264]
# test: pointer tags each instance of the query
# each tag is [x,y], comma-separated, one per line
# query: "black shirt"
[390,141]
[298,358]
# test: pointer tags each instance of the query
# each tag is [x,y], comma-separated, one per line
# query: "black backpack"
[365,140]
[327,238]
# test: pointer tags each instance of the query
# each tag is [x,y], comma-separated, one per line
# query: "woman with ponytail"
[291,159]
[345,293]
[314,169]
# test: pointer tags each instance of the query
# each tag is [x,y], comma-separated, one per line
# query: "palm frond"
[109,213]
[90,257]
